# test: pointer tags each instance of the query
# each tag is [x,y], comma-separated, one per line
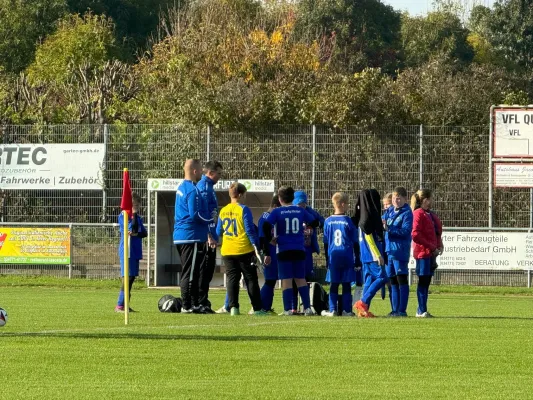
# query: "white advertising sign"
[51,166]
[513,132]
[253,185]
[480,250]
[513,175]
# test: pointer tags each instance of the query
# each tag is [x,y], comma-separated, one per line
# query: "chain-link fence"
[453,161]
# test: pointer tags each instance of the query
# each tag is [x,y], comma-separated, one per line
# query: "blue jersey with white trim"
[288,223]
[340,235]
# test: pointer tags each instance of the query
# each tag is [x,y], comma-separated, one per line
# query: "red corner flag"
[126,204]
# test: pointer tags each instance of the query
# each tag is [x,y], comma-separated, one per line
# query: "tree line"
[242,63]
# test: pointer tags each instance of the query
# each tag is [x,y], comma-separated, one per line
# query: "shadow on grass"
[215,338]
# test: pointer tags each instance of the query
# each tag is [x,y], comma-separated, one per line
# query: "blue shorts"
[133,267]
[340,275]
[397,267]
[291,269]
[423,267]
[373,270]
[271,271]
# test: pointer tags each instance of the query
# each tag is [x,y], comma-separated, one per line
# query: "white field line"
[47,332]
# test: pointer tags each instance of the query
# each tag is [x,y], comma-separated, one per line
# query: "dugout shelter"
[162,257]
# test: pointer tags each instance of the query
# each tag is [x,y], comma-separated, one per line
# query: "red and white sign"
[513,175]
[512,131]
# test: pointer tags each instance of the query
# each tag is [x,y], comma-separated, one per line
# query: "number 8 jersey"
[236,228]
[288,223]
[340,235]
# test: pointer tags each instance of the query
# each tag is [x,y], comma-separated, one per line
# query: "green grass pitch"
[63,341]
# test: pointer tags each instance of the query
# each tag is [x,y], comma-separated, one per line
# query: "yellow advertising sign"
[34,245]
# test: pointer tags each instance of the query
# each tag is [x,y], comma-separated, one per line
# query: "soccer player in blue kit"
[288,223]
[270,271]
[340,239]
[398,226]
[368,218]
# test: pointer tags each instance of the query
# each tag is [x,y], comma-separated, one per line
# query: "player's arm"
[310,220]
[260,233]
[404,230]
[267,232]
[439,232]
[326,244]
[193,205]
[249,226]
[142,232]
[219,229]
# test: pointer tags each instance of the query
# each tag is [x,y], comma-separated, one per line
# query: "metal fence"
[453,161]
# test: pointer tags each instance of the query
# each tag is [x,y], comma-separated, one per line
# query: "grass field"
[63,341]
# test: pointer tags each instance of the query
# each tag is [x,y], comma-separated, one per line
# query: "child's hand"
[381,261]
[274,241]
[267,260]
[132,233]
[211,242]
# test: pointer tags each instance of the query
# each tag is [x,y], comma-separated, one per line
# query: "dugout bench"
[163,263]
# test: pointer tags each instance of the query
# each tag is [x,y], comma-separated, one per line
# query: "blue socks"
[346,297]
[334,296]
[422,293]
[288,298]
[267,297]
[120,301]
[395,298]
[404,298]
[226,302]
[304,294]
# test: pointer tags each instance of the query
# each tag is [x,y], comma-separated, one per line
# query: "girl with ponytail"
[427,245]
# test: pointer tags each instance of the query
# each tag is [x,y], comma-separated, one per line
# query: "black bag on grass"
[319,298]
[169,304]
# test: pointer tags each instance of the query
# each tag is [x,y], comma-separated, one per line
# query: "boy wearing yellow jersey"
[239,243]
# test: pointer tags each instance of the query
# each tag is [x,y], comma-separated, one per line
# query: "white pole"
[148,221]
[421,157]
[71,255]
[491,138]
[155,243]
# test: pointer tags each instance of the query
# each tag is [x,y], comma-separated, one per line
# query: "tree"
[78,67]
[366,33]
[436,94]
[224,64]
[437,35]
[23,24]
[511,31]
[135,20]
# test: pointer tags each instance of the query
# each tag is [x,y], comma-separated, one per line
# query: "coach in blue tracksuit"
[191,226]
[398,226]
[212,174]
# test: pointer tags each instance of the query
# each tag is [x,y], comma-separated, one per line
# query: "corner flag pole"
[126,278]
